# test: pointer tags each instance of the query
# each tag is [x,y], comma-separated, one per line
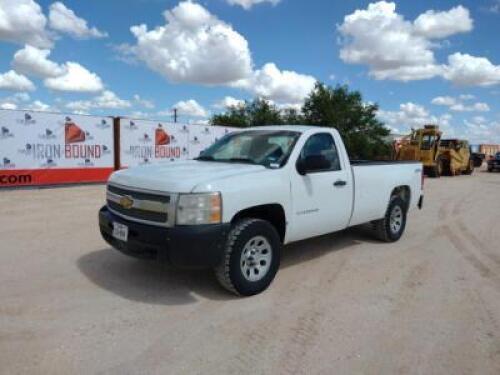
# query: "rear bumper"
[196,246]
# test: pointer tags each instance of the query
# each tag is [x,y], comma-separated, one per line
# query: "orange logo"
[72,132]
[161,136]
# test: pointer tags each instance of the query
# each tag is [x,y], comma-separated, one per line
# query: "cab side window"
[322,144]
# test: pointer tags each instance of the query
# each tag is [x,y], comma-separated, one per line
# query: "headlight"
[199,208]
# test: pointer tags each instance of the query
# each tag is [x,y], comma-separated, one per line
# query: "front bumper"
[193,246]
[494,165]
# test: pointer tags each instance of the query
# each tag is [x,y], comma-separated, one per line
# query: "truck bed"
[373,186]
[361,163]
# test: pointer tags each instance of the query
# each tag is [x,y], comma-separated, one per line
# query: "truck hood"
[180,176]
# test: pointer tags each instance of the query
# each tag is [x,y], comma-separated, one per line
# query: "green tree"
[256,113]
[363,134]
[291,116]
[236,116]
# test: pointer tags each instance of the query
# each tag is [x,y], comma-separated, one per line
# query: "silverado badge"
[126,202]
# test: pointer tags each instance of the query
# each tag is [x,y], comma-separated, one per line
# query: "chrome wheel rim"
[256,258]
[396,219]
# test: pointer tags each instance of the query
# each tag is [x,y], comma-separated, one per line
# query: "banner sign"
[38,148]
[144,142]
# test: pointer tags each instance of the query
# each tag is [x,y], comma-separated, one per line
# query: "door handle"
[340,183]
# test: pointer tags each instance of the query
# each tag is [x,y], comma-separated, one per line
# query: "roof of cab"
[296,128]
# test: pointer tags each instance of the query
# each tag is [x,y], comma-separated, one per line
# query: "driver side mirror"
[312,163]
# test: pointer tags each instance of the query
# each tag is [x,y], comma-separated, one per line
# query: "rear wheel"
[392,226]
[251,257]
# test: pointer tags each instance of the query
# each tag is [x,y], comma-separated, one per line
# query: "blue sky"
[425,61]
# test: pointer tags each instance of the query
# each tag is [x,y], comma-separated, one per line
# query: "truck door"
[321,199]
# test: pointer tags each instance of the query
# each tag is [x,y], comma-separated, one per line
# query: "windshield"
[428,141]
[265,147]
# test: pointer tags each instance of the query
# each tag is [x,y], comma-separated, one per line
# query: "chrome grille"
[140,205]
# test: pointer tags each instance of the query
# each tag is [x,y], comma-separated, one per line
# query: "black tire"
[383,230]
[229,272]
[433,172]
[437,170]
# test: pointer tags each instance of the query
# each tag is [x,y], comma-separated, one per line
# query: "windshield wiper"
[205,158]
[242,160]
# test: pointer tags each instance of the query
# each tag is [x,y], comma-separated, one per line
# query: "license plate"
[120,231]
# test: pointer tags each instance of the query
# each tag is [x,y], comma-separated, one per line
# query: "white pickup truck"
[234,207]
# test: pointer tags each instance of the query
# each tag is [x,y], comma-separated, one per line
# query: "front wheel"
[251,257]
[392,226]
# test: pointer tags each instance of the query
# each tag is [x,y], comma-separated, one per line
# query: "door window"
[322,144]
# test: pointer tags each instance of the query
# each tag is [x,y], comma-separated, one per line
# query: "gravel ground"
[342,303]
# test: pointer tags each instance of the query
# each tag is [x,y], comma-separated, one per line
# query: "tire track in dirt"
[489,326]
[300,336]
[265,338]
[478,243]
[444,209]
[410,285]
[485,271]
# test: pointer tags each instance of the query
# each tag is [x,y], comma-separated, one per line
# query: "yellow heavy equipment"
[456,157]
[422,145]
[439,156]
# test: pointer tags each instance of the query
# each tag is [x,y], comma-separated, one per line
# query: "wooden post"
[116,142]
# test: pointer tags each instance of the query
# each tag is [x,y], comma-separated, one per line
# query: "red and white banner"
[38,148]
[144,142]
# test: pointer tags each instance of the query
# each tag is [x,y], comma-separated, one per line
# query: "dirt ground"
[341,304]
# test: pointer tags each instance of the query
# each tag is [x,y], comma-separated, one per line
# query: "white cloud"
[193,46]
[467,97]
[106,100]
[432,24]
[458,105]
[14,101]
[247,4]
[494,7]
[64,20]
[279,86]
[467,70]
[34,61]
[228,102]
[15,82]
[190,108]
[139,115]
[75,78]
[479,130]
[148,104]
[22,21]
[397,49]
[38,105]
[7,105]
[444,100]
[386,42]
[476,107]
[411,115]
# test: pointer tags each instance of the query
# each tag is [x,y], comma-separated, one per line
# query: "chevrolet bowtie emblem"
[126,202]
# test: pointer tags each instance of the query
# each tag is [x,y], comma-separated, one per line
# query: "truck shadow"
[155,283]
